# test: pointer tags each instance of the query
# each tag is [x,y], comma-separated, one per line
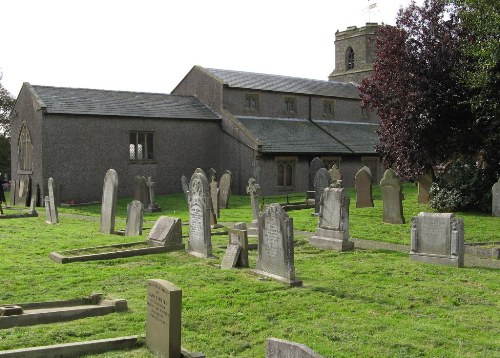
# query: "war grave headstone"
[332,232]
[363,185]
[438,238]
[322,180]
[152,207]
[225,189]
[253,189]
[54,215]
[392,198]
[108,206]
[200,242]
[279,348]
[495,200]
[314,166]
[135,218]
[141,192]
[336,174]
[424,188]
[275,253]
[165,236]
[185,187]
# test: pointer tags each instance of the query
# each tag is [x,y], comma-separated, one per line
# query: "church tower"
[354,53]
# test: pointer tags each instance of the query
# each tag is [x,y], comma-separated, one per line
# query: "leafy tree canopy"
[6,105]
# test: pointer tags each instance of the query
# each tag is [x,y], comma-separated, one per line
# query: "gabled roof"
[359,137]
[63,100]
[276,83]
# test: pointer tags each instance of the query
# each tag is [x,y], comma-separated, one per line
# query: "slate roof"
[292,135]
[277,83]
[63,100]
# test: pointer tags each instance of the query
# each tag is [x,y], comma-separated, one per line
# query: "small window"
[24,150]
[141,147]
[286,172]
[328,108]
[290,105]
[252,102]
[349,58]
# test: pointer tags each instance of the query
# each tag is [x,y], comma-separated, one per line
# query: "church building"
[256,125]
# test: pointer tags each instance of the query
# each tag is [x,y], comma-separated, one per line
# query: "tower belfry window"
[349,58]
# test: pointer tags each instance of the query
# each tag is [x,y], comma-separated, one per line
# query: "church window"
[328,108]
[141,146]
[25,150]
[290,105]
[252,102]
[330,161]
[286,169]
[349,58]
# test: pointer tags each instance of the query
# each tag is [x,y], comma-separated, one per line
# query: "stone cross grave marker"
[163,322]
[185,187]
[200,242]
[275,254]
[336,174]
[495,200]
[54,215]
[166,231]
[225,189]
[108,205]
[141,192]
[135,218]
[438,238]
[279,348]
[424,188]
[322,180]
[363,185]
[392,198]
[253,189]
[314,166]
[332,232]
[152,207]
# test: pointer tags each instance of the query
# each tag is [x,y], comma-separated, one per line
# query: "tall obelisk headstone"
[108,205]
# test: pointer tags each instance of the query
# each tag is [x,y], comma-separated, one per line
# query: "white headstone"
[200,242]
[108,206]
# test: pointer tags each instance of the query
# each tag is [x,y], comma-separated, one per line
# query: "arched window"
[24,150]
[349,58]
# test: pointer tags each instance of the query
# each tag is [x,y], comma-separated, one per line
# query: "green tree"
[6,105]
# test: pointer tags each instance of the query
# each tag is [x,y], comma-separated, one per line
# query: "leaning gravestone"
[141,192]
[424,188]
[279,348]
[315,165]
[53,207]
[335,174]
[495,200]
[238,235]
[48,212]
[108,205]
[438,238]
[230,257]
[253,189]
[185,187]
[225,189]
[333,224]
[275,254]
[392,198]
[166,231]
[363,185]
[322,180]
[200,242]
[163,323]
[135,219]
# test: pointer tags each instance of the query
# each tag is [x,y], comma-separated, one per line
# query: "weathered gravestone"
[166,231]
[279,348]
[53,206]
[438,238]
[152,207]
[23,190]
[237,250]
[335,174]
[230,257]
[253,189]
[322,180]
[108,205]
[392,198]
[215,197]
[495,200]
[200,242]
[424,188]
[141,192]
[333,224]
[275,253]
[363,185]
[32,210]
[225,189]
[185,187]
[135,218]
[13,193]
[48,212]
[163,323]
[314,166]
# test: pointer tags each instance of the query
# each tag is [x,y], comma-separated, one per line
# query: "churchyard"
[355,303]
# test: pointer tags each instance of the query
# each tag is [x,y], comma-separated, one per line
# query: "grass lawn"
[356,304]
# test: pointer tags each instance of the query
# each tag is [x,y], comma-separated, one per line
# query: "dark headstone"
[495,200]
[424,188]
[152,207]
[363,184]
[392,198]
[141,190]
[314,166]
[322,180]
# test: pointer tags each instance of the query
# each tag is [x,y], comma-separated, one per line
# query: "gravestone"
[363,185]
[275,254]
[53,206]
[238,235]
[108,205]
[424,188]
[495,200]
[335,174]
[13,192]
[279,348]
[185,187]
[23,190]
[215,196]
[32,210]
[392,198]
[135,218]
[314,166]
[253,189]
[166,231]
[437,238]
[225,189]
[322,180]
[152,207]
[230,257]
[48,212]
[141,192]
[200,242]
[332,232]
[211,174]
[163,322]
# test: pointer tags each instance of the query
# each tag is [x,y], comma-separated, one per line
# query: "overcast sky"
[150,45]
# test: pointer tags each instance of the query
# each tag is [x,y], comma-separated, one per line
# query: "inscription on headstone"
[392,198]
[108,206]
[200,243]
